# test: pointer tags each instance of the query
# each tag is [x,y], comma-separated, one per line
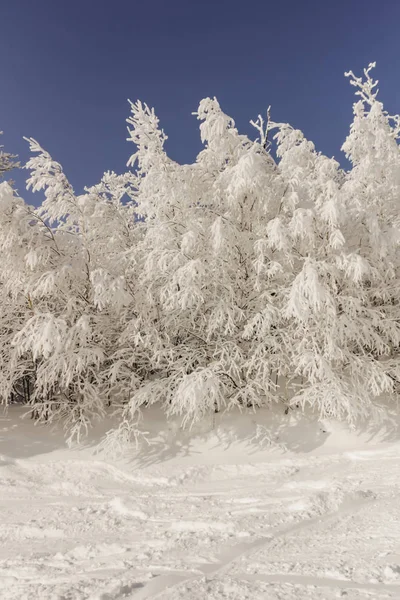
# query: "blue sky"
[68,68]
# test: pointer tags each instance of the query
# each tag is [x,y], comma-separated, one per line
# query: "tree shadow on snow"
[221,438]
[231,437]
[259,435]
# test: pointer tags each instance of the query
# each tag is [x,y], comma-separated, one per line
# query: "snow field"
[196,523]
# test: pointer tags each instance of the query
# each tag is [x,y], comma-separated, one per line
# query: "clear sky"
[68,68]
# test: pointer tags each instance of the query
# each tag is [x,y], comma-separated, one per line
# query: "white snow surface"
[309,511]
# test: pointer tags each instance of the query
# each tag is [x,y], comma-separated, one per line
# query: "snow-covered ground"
[215,514]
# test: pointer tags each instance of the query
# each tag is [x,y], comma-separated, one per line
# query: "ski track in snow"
[292,526]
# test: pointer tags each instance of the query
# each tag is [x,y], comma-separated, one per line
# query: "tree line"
[261,273]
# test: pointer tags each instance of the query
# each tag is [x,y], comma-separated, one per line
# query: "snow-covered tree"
[238,280]
[197,282]
[260,274]
[70,274]
[341,231]
[7,161]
